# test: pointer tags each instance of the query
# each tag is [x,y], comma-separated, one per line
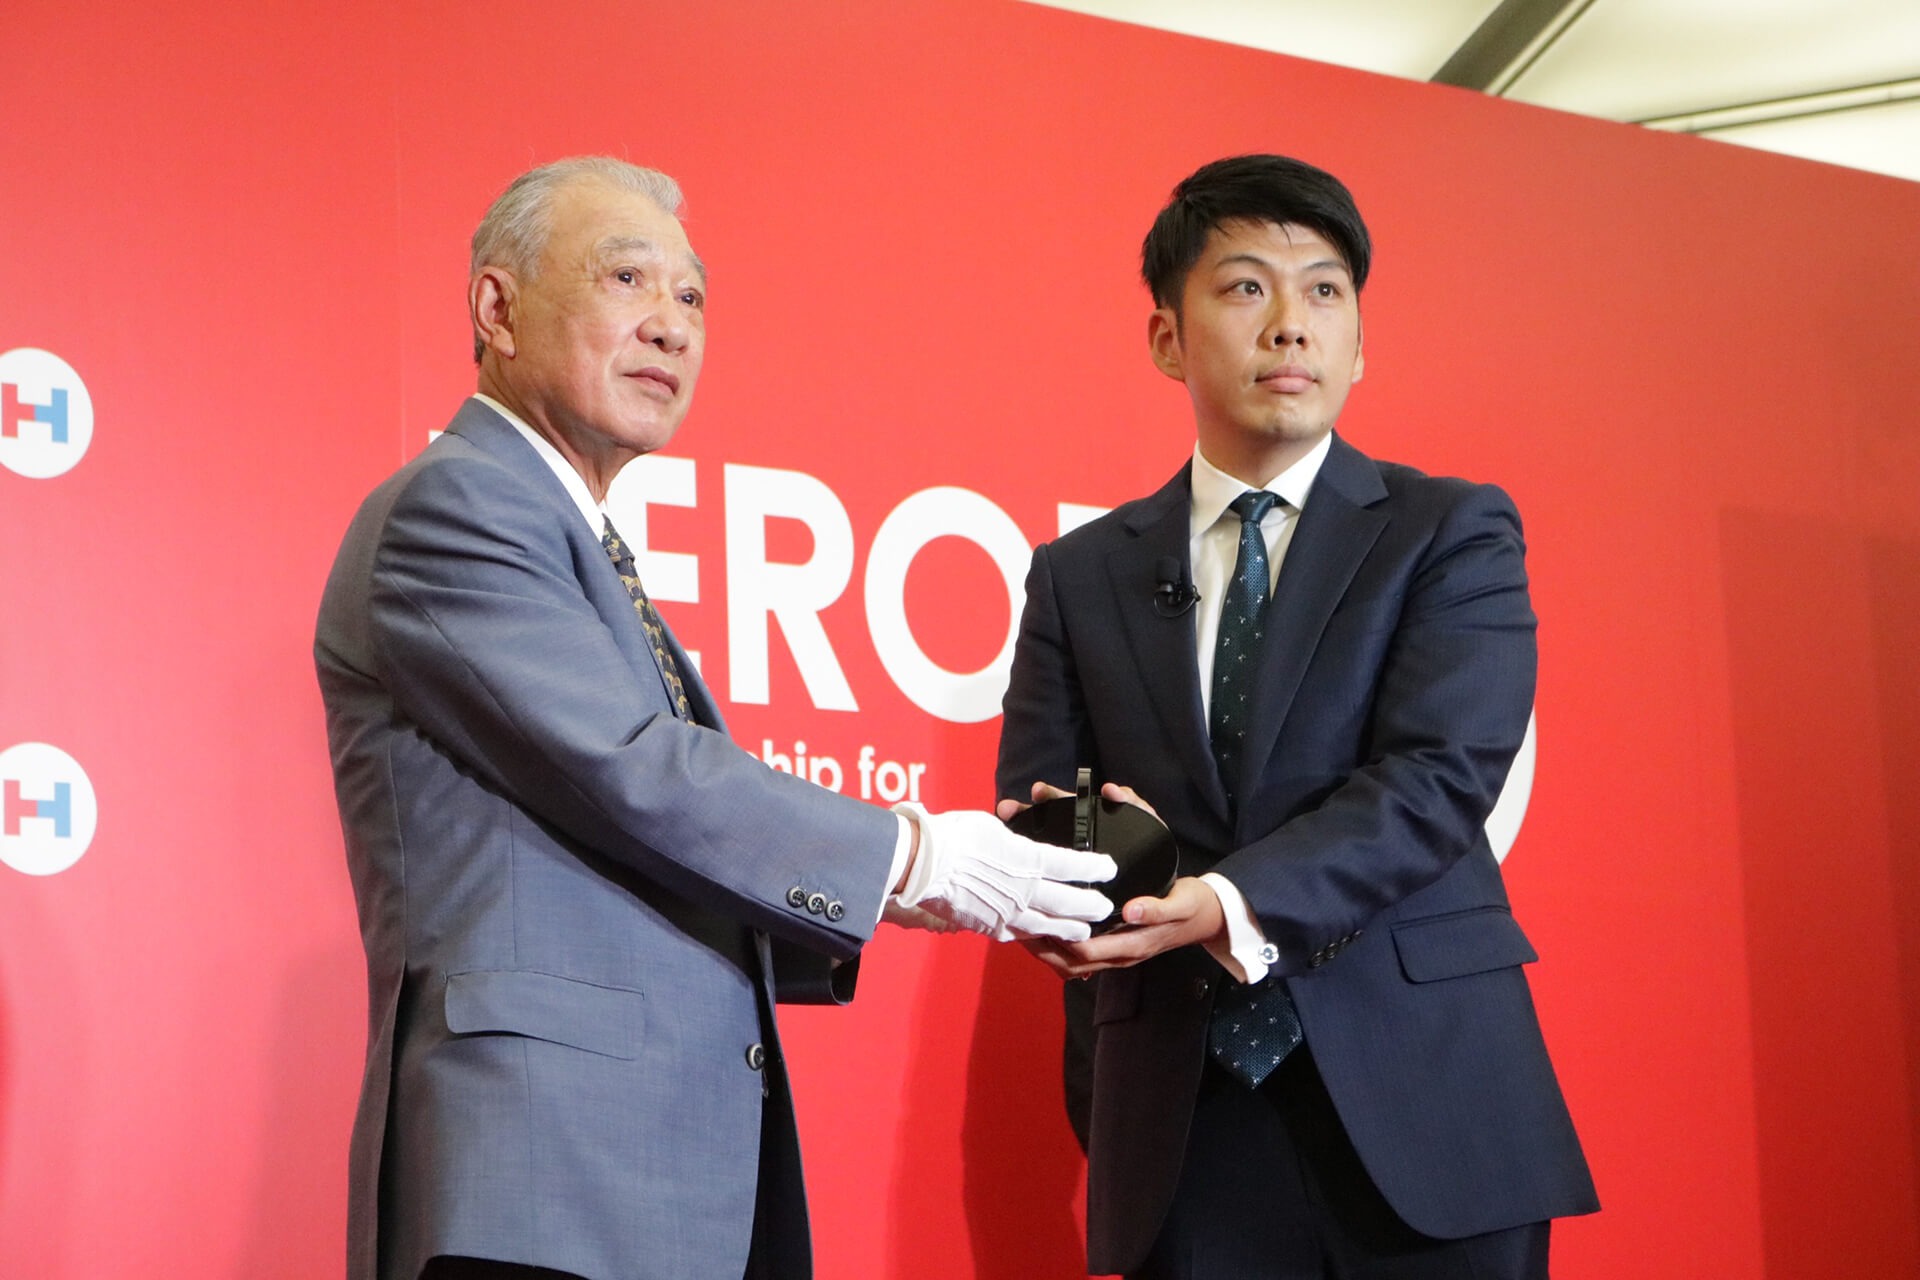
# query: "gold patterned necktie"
[649,618]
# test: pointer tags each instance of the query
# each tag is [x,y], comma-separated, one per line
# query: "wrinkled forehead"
[596,223]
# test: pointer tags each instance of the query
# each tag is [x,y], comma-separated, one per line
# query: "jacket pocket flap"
[1454,946]
[603,1020]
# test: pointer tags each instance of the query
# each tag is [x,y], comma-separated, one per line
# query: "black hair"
[1257,188]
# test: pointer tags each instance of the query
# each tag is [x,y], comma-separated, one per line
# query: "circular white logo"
[46,415]
[47,809]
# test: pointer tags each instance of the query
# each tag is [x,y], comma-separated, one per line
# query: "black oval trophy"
[1148,857]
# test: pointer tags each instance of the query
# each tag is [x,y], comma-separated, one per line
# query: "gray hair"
[514,232]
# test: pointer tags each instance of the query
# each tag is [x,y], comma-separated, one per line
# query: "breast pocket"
[1435,948]
[544,1006]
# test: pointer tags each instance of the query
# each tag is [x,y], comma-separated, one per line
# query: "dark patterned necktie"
[649,618]
[1253,1027]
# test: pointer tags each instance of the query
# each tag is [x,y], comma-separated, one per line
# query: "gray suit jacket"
[565,894]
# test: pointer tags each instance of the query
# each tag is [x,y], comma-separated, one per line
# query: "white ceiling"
[1633,60]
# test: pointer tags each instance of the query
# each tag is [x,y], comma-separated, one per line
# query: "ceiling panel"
[1634,59]
[1397,37]
[1620,59]
[1883,139]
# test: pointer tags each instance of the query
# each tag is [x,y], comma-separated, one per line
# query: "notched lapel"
[1337,529]
[706,711]
[1163,648]
[632,634]
[488,431]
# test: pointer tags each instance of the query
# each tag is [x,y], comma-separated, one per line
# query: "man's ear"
[1359,351]
[1163,343]
[490,300]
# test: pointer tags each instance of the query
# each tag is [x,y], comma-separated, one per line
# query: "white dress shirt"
[1214,549]
[595,514]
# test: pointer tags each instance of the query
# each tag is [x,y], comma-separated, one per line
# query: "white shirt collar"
[1214,489]
[592,512]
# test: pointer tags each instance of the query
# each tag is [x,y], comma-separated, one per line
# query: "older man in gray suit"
[579,899]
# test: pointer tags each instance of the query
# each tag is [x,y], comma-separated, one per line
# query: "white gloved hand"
[973,871]
[904,917]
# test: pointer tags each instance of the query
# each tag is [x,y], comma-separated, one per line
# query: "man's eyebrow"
[640,246]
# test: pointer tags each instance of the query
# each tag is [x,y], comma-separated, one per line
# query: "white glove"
[973,871]
[904,917]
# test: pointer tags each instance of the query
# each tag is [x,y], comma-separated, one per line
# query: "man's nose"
[665,327]
[1286,324]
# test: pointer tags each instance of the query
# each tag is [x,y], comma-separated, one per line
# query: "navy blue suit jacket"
[1395,683]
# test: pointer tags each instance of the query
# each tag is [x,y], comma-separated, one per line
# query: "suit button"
[756,1056]
[817,903]
[1200,988]
[796,897]
[835,910]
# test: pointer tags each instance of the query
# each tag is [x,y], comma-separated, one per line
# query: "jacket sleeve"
[1044,731]
[485,639]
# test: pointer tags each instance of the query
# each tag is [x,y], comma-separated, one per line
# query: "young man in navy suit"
[1317,1055]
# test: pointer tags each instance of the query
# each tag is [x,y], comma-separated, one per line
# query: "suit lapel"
[705,710]
[1163,648]
[487,430]
[1338,527]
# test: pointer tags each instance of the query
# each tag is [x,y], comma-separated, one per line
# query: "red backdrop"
[243,226]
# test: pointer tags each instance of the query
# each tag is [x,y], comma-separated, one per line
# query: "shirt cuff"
[1246,952]
[902,846]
